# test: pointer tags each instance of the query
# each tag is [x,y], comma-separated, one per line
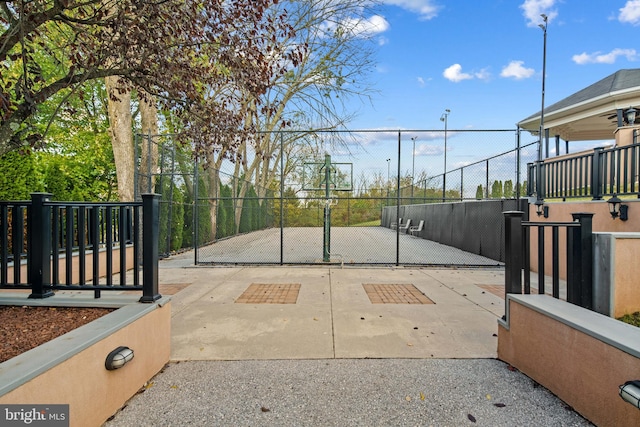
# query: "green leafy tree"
[19,176]
[195,56]
[171,222]
[250,212]
[479,192]
[523,189]
[496,190]
[226,225]
[203,217]
[508,189]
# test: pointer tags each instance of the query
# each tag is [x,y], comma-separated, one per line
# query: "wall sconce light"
[118,358]
[630,116]
[630,392]
[541,209]
[617,209]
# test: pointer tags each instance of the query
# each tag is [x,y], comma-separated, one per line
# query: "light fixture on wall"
[617,209]
[630,116]
[118,358]
[541,209]
[630,392]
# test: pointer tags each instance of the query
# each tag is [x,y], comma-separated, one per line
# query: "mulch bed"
[24,328]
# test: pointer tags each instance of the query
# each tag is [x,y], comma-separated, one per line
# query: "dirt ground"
[23,328]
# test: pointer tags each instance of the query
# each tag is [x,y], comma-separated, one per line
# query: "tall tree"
[496,189]
[180,51]
[508,189]
[334,66]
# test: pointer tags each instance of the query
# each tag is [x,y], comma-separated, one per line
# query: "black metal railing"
[603,172]
[579,256]
[79,246]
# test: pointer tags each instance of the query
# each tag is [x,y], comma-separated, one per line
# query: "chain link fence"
[272,202]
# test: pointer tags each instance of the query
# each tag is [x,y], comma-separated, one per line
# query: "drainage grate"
[270,293]
[395,294]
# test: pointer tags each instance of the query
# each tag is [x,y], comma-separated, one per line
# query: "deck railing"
[603,172]
[51,246]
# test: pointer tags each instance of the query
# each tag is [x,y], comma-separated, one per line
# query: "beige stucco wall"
[626,292]
[583,371]
[83,382]
[561,212]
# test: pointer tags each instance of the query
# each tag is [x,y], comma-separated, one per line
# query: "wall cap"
[618,334]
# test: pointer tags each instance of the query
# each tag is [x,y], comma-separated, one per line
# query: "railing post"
[580,261]
[513,252]
[39,229]
[150,239]
[596,174]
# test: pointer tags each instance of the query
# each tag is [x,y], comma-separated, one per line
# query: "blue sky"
[483,61]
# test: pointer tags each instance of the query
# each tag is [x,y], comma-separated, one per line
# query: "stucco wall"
[581,356]
[616,284]
[602,222]
[81,379]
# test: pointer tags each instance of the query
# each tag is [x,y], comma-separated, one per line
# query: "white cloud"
[532,9]
[516,70]
[427,9]
[604,58]
[421,81]
[454,73]
[630,13]
[371,26]
[428,150]
[483,74]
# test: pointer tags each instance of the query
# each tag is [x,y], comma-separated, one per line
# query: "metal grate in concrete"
[395,294]
[270,293]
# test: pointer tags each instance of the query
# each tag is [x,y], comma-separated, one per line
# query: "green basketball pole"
[326,253]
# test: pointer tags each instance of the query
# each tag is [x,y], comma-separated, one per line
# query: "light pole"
[388,176]
[444,118]
[544,72]
[413,169]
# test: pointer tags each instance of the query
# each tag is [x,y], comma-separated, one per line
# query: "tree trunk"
[120,129]
[149,145]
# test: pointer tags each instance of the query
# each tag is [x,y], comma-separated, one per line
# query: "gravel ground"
[345,392]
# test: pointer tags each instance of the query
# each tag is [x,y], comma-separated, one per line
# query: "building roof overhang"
[590,114]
